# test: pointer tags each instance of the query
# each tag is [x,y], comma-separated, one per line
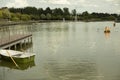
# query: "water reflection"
[107,35]
[80,52]
[11,65]
[54,27]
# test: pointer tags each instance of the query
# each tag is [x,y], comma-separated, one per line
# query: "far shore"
[9,23]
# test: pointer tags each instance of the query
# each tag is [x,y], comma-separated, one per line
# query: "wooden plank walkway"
[12,40]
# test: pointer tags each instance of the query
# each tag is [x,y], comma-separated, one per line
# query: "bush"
[42,16]
[15,19]
[25,17]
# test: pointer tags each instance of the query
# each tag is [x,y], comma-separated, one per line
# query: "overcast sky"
[109,6]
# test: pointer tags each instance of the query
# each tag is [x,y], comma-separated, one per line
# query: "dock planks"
[6,42]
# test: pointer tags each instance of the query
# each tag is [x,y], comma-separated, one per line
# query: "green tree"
[48,10]
[15,17]
[6,13]
[30,10]
[85,13]
[1,15]
[86,16]
[66,11]
[42,16]
[25,17]
[40,11]
[48,16]
[74,12]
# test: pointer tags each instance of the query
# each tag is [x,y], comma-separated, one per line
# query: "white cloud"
[118,11]
[117,4]
[17,3]
[42,1]
[81,1]
[59,1]
[90,5]
[109,0]
[76,2]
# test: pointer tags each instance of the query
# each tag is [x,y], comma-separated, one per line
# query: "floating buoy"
[107,30]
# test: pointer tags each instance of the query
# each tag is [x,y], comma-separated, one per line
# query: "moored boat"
[17,56]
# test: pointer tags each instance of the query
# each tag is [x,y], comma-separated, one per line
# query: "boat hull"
[19,60]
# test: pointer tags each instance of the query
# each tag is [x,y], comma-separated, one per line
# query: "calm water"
[68,51]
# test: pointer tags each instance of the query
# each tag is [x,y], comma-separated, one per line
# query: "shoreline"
[9,23]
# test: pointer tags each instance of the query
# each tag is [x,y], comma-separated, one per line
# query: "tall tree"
[48,16]
[48,10]
[40,11]
[6,13]
[66,11]
[74,12]
[1,15]
[30,10]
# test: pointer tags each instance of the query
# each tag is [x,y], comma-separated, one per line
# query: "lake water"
[68,51]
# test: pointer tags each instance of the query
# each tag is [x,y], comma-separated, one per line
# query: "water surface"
[68,51]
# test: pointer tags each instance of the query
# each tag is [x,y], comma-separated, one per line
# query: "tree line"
[33,13]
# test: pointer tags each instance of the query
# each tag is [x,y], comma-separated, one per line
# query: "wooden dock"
[14,40]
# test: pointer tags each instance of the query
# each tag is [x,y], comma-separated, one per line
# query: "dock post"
[25,43]
[15,46]
[31,39]
[9,47]
[20,45]
[28,40]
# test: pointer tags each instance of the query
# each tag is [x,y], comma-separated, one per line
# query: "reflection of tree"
[71,71]
[54,28]
[56,36]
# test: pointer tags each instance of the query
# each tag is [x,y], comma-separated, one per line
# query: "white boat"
[20,57]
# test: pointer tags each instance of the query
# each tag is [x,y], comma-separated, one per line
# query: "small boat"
[17,56]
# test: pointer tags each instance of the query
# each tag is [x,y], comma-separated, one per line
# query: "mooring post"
[1,35]
[15,46]
[20,45]
[28,40]
[9,34]
[31,39]
[25,43]
[0,39]
[9,47]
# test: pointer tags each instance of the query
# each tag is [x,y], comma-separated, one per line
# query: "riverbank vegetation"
[33,13]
